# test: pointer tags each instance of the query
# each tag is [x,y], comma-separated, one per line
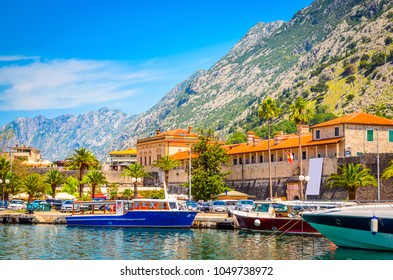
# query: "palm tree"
[54,178]
[267,111]
[301,113]
[94,178]
[351,177]
[127,193]
[135,171]
[166,164]
[13,185]
[4,166]
[81,160]
[32,185]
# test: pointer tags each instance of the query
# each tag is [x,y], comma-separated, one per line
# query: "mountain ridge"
[329,52]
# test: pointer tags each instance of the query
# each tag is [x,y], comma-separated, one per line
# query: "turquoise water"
[59,242]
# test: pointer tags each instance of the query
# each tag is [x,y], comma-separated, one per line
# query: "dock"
[202,220]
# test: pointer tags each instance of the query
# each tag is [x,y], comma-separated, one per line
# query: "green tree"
[70,186]
[94,178]
[208,180]
[112,190]
[351,177]
[166,164]
[32,185]
[54,178]
[237,137]
[135,171]
[13,187]
[267,111]
[81,160]
[301,113]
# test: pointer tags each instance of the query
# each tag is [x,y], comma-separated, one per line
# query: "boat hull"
[136,219]
[350,230]
[280,225]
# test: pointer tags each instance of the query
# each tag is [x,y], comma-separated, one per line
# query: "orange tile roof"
[178,132]
[182,155]
[357,118]
[124,152]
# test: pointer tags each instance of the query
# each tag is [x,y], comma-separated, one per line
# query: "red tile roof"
[357,118]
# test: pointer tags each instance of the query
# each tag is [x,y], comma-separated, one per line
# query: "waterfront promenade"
[202,220]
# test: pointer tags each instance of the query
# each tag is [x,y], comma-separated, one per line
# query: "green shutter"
[390,135]
[370,135]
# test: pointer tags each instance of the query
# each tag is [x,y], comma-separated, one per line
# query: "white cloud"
[6,58]
[59,84]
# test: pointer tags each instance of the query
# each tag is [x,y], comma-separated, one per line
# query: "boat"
[365,226]
[275,217]
[136,213]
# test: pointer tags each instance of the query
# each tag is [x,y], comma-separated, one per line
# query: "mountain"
[57,138]
[336,53]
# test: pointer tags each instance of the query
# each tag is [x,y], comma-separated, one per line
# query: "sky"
[73,56]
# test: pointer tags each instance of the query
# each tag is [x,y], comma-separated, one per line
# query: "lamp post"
[135,181]
[301,179]
[6,182]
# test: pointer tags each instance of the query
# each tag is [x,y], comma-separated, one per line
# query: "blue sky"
[73,56]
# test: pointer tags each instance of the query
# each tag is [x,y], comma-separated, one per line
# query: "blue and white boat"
[365,226]
[137,213]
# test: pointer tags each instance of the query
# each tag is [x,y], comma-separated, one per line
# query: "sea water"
[60,242]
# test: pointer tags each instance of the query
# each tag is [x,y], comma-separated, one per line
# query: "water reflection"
[76,243]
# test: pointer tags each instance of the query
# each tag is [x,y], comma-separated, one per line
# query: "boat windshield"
[260,207]
[172,205]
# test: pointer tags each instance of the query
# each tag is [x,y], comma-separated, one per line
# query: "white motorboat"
[365,226]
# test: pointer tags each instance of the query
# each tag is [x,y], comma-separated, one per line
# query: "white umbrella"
[64,195]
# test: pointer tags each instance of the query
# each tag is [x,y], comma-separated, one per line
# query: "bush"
[388,40]
[350,79]
[349,70]
[320,87]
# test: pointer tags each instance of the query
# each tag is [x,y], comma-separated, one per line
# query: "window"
[370,135]
[235,161]
[272,158]
[260,158]
[336,131]
[247,161]
[252,159]
[149,160]
[317,134]
[390,135]
[319,155]
[304,155]
[240,161]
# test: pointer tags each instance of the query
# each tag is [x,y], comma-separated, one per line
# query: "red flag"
[289,157]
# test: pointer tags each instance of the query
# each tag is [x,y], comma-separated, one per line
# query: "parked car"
[230,204]
[17,204]
[244,205]
[36,204]
[54,203]
[205,206]
[218,206]
[192,205]
[67,206]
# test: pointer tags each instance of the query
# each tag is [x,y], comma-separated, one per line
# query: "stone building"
[163,144]
[353,135]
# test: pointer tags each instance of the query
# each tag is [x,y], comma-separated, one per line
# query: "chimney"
[279,137]
[189,129]
[250,137]
[158,131]
[304,128]
[257,139]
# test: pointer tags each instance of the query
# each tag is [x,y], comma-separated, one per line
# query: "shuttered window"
[390,135]
[370,135]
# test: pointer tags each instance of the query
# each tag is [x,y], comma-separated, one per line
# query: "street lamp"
[301,179]
[6,182]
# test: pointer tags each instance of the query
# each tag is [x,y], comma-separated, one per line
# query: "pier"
[202,220]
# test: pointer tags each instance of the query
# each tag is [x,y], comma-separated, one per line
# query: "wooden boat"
[147,213]
[273,217]
[366,226]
